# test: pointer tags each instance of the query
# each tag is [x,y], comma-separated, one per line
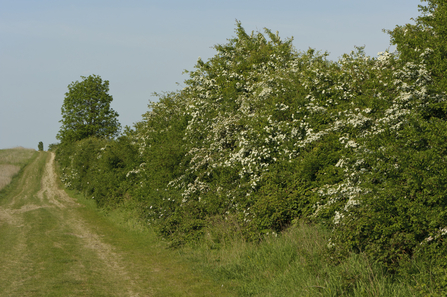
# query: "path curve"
[16,217]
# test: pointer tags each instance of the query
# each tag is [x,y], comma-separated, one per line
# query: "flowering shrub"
[394,187]
[256,113]
[263,135]
[270,135]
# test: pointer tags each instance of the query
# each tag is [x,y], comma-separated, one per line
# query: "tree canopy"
[426,40]
[86,111]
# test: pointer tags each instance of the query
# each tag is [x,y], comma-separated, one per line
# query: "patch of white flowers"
[408,90]
[246,119]
[441,232]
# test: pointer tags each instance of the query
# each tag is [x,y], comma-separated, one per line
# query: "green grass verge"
[297,263]
[294,263]
[48,250]
[164,271]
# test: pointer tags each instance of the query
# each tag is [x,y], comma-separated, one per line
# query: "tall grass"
[298,263]
[7,171]
[11,161]
[16,156]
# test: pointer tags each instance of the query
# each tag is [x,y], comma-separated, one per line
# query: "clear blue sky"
[143,47]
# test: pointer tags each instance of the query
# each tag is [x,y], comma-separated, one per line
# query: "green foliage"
[288,189]
[400,207]
[40,146]
[263,136]
[427,37]
[109,182]
[406,207]
[296,263]
[99,168]
[52,147]
[86,111]
[78,162]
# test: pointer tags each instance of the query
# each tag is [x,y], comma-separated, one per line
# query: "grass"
[11,161]
[57,249]
[7,171]
[297,263]
[16,156]
[294,263]
[42,256]
[165,271]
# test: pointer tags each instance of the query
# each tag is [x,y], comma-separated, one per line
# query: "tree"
[40,146]
[426,40]
[86,111]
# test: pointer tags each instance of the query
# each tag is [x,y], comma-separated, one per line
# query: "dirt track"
[51,245]
[19,218]
[58,199]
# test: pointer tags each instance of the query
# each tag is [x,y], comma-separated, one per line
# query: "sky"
[142,47]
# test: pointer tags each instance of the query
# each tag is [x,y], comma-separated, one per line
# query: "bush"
[52,147]
[263,136]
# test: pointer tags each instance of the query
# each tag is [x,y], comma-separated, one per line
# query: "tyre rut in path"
[35,223]
[51,245]
[91,240]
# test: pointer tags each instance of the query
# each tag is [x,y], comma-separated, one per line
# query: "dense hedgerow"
[263,136]
[99,168]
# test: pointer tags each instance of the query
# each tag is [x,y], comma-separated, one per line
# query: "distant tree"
[86,111]
[40,146]
[52,146]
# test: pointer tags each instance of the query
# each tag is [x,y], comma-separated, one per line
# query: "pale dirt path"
[16,266]
[51,245]
[111,260]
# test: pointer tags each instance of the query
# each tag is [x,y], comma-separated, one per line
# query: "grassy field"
[55,245]
[11,160]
